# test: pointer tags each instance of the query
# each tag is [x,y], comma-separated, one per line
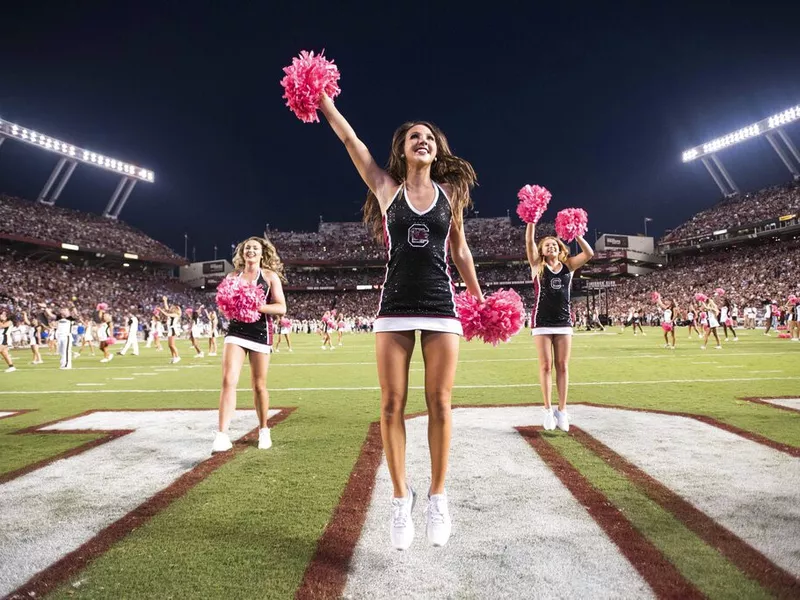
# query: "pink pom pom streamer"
[793,299]
[469,313]
[189,311]
[111,341]
[306,79]
[533,202]
[719,292]
[785,336]
[776,312]
[700,297]
[655,297]
[501,316]
[102,306]
[240,300]
[571,223]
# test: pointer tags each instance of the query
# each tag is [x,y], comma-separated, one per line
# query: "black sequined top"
[262,330]
[418,281]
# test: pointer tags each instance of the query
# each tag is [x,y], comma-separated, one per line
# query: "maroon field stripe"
[660,574]
[771,405]
[748,435]
[746,558]
[47,580]
[326,574]
[15,412]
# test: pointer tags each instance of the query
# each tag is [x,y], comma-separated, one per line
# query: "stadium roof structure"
[771,128]
[70,156]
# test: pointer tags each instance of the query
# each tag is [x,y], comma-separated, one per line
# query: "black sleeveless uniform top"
[260,331]
[551,298]
[418,281]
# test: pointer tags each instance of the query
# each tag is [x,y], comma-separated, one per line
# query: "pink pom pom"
[501,316]
[306,79]
[776,312]
[469,313]
[571,223]
[156,311]
[533,202]
[239,300]
[700,297]
[111,341]
[719,292]
[655,297]
[102,306]
[189,312]
[793,299]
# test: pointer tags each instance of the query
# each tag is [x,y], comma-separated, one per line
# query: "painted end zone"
[144,462]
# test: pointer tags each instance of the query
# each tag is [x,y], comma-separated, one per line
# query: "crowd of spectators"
[344,241]
[56,225]
[26,283]
[752,275]
[737,211]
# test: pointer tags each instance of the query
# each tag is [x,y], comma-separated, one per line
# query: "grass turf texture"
[250,529]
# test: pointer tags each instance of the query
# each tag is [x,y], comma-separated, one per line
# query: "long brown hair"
[269,256]
[563,251]
[447,168]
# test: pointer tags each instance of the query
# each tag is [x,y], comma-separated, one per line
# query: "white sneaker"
[702,347]
[77,355]
[438,525]
[562,419]
[401,526]
[276,350]
[199,355]
[212,353]
[175,360]
[736,339]
[548,419]
[222,442]
[717,347]
[324,347]
[264,439]
[11,369]
[64,368]
[105,360]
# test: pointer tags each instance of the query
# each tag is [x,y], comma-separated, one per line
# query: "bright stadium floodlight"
[769,128]
[70,156]
[762,127]
[69,151]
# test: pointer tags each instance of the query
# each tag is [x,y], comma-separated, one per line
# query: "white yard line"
[413,387]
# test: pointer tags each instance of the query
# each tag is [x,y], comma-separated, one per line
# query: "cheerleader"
[173,315]
[793,309]
[637,322]
[340,329]
[769,317]
[256,261]
[691,316]
[712,311]
[552,268]
[285,330]
[5,340]
[213,333]
[668,321]
[34,337]
[325,330]
[195,330]
[416,206]
[89,330]
[64,338]
[726,320]
[105,335]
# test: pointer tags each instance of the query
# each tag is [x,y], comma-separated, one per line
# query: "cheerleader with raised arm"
[726,320]
[34,337]
[172,312]
[213,331]
[712,312]
[551,322]
[668,320]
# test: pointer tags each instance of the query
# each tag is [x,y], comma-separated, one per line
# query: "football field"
[679,477]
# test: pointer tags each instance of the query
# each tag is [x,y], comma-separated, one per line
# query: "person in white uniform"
[133,336]
[64,338]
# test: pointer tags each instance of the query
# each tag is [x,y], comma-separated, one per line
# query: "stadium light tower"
[70,156]
[771,128]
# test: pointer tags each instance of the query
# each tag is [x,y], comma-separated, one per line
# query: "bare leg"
[394,350]
[259,365]
[232,360]
[562,346]
[440,353]
[544,348]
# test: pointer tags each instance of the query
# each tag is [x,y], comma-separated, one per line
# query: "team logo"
[418,235]
[555,284]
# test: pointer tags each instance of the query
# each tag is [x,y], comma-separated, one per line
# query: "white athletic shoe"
[264,439]
[77,355]
[702,347]
[438,525]
[276,350]
[562,419]
[11,369]
[401,526]
[666,346]
[548,419]
[736,339]
[324,347]
[199,355]
[717,347]
[212,353]
[175,360]
[727,340]
[105,360]
[222,443]
[64,368]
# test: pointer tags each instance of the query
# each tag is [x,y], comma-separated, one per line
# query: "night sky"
[596,104]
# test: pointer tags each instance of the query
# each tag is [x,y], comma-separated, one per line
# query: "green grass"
[250,528]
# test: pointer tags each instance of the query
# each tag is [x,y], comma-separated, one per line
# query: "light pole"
[185,245]
[646,221]
[215,252]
